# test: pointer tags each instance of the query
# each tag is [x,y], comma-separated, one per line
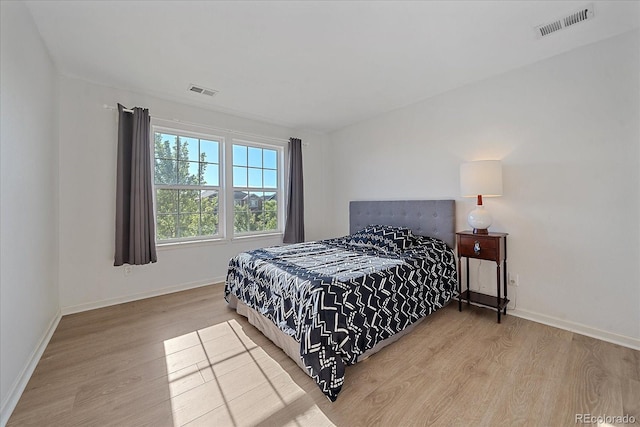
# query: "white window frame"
[184,131]
[280,190]
[226,139]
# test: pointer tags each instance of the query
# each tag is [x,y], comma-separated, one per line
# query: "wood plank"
[590,383]
[630,400]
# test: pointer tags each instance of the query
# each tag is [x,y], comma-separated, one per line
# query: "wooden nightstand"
[490,247]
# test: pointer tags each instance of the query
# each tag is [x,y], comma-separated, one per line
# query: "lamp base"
[480,220]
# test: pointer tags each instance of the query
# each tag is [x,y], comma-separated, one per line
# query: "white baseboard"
[578,328]
[20,384]
[135,297]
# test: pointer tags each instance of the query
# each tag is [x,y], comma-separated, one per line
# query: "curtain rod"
[231,131]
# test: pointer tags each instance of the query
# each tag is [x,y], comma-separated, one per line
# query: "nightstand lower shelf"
[484,300]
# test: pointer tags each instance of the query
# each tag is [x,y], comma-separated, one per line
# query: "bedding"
[340,297]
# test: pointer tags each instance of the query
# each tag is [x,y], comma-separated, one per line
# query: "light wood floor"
[185,359]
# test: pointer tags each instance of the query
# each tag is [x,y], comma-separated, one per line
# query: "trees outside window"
[187,181]
[255,188]
[189,189]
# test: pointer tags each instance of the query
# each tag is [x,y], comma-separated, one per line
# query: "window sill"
[218,241]
[257,236]
[190,243]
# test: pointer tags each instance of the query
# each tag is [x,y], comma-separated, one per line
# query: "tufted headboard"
[432,218]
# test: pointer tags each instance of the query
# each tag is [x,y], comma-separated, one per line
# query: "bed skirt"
[288,344]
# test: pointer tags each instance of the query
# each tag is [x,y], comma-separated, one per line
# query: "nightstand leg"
[498,285]
[505,284]
[468,289]
[459,285]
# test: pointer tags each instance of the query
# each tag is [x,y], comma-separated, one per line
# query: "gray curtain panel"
[294,228]
[135,223]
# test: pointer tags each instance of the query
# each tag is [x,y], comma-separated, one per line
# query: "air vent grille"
[202,90]
[545,30]
[584,14]
[579,16]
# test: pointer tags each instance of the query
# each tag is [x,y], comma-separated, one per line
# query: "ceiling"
[309,65]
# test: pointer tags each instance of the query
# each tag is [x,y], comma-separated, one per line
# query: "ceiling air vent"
[202,90]
[584,14]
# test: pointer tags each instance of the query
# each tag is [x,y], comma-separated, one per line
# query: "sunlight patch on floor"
[219,376]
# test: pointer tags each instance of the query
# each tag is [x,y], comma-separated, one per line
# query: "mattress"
[339,298]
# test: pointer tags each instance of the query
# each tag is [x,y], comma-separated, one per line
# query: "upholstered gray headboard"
[432,218]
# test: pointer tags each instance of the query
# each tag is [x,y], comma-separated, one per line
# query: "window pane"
[270,201]
[189,149]
[209,217]
[209,202]
[239,176]
[189,202]
[189,225]
[166,226]
[165,171]
[270,178]
[255,221]
[239,155]
[188,173]
[270,220]
[255,177]
[255,157]
[270,159]
[165,146]
[209,224]
[240,219]
[166,201]
[209,174]
[255,200]
[240,198]
[209,151]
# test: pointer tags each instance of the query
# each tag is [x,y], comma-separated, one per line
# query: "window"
[187,183]
[192,201]
[255,189]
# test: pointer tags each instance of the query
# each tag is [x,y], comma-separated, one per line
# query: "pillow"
[384,238]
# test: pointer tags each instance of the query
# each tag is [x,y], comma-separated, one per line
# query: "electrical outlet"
[514,279]
[127,270]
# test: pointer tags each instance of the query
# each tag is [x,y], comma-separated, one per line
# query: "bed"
[334,302]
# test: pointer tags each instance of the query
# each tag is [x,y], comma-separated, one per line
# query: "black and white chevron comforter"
[340,297]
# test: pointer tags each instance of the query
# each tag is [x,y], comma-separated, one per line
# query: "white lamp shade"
[483,177]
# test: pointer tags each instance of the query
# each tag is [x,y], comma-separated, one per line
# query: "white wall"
[88,146]
[316,178]
[29,306]
[567,130]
